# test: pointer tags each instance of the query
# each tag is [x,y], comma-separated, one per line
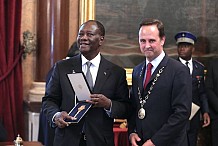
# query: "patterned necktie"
[148,74]
[89,75]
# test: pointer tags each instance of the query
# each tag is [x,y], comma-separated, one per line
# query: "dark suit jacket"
[110,81]
[212,88]
[168,106]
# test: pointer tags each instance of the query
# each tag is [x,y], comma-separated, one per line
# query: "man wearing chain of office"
[160,94]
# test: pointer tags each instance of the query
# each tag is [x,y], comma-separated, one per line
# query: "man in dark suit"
[185,46]
[163,105]
[211,83]
[110,96]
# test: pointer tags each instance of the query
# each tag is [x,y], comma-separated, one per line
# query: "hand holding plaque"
[78,112]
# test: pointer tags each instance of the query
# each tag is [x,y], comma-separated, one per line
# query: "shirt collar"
[95,61]
[157,60]
[184,61]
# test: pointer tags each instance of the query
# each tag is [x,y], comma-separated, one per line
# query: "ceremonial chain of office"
[141,112]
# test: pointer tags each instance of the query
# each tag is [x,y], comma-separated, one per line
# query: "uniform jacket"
[199,95]
[168,106]
[212,88]
[59,96]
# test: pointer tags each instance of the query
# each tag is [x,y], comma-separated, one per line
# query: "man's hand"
[99,100]
[206,119]
[134,138]
[148,143]
[60,117]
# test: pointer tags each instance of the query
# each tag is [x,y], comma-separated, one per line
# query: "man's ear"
[163,40]
[193,49]
[101,40]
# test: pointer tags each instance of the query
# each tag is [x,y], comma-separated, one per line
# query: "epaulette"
[199,63]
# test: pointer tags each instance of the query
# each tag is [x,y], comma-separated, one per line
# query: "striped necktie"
[89,75]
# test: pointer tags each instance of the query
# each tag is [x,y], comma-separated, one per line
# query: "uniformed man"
[185,46]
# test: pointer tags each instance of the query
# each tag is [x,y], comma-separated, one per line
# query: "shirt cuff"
[54,117]
[109,111]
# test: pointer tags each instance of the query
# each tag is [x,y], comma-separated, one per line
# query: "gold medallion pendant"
[141,113]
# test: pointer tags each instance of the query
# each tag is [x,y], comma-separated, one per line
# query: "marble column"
[52,35]
[52,45]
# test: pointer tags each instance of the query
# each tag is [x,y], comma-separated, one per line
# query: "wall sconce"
[29,43]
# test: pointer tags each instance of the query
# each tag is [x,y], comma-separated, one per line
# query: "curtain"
[11,87]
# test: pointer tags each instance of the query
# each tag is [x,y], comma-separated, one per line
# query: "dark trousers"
[194,129]
[83,140]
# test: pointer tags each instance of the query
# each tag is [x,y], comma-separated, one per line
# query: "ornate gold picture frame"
[87,10]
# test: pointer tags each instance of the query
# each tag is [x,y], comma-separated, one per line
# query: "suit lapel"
[104,72]
[141,75]
[76,64]
[163,63]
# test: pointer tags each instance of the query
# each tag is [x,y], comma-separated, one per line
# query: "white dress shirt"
[190,64]
[93,68]
[155,63]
